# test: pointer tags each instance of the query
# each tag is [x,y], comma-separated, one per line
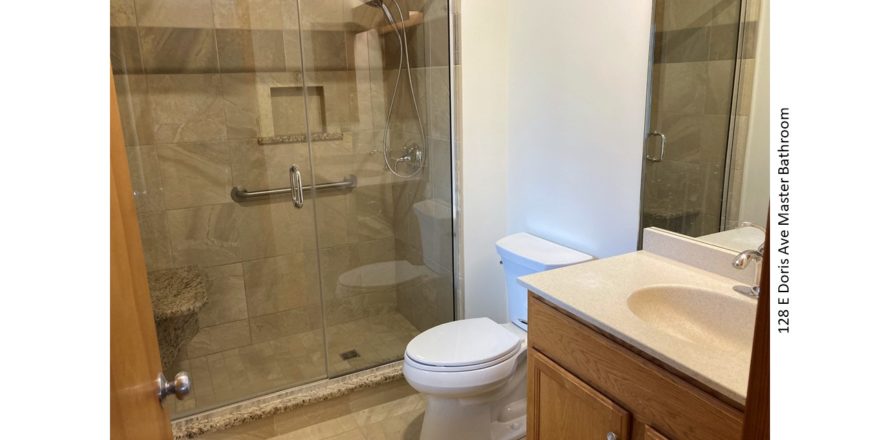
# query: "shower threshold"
[259,407]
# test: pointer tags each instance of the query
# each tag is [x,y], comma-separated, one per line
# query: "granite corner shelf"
[177,296]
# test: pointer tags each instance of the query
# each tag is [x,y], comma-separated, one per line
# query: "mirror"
[706,158]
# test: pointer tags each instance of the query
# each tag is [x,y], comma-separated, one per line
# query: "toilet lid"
[462,343]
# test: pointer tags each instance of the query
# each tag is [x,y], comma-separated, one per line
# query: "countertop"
[596,292]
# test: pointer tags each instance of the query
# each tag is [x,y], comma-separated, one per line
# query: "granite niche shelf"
[177,296]
[299,138]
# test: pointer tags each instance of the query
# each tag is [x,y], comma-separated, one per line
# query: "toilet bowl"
[472,372]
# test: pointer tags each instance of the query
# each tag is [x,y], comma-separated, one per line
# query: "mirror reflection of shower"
[413,154]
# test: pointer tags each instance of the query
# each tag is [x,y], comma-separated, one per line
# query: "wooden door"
[561,407]
[757,417]
[135,411]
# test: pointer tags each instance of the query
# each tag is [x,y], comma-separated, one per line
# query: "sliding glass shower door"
[379,110]
[252,294]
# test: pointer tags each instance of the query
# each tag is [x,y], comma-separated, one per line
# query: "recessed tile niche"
[288,112]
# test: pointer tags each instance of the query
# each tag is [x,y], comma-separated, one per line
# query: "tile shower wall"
[693,74]
[206,88]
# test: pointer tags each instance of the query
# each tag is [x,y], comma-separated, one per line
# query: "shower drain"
[350,354]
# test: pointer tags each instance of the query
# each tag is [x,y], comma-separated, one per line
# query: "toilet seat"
[465,345]
[424,367]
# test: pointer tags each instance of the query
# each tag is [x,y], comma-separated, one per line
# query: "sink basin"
[696,315]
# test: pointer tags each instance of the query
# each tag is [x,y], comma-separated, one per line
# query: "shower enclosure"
[342,107]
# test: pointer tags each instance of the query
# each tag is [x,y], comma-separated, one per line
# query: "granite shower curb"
[282,401]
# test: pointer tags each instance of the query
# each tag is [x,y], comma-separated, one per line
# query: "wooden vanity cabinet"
[585,385]
[566,408]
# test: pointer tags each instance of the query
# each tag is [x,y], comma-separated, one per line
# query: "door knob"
[611,436]
[180,387]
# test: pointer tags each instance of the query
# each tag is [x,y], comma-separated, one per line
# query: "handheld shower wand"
[381,5]
[413,153]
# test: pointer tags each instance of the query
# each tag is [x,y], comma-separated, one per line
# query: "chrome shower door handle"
[662,147]
[296,187]
[180,387]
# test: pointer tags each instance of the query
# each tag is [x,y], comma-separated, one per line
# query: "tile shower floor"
[256,369]
[392,411]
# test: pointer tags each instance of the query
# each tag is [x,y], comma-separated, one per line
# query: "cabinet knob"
[611,436]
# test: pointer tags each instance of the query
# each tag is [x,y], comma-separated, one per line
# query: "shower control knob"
[180,387]
[611,436]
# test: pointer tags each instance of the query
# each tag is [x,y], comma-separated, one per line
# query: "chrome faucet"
[742,261]
[412,156]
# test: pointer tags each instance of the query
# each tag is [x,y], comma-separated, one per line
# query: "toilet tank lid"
[540,252]
[436,208]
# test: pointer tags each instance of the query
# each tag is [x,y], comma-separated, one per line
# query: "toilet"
[472,372]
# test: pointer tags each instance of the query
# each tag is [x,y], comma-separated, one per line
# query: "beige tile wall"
[195,81]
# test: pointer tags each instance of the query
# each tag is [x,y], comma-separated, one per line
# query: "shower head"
[381,5]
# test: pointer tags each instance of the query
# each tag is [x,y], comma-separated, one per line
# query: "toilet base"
[497,415]
[471,423]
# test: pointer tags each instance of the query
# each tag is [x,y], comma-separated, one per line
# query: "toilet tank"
[523,254]
[435,229]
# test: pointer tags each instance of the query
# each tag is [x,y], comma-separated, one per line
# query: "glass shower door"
[385,247]
[212,98]
[252,294]
[686,148]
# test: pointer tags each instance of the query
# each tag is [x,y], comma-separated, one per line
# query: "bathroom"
[433,219]
[267,297]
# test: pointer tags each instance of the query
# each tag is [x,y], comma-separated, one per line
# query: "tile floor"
[246,372]
[391,411]
[378,340]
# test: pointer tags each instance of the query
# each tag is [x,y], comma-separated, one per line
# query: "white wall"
[553,105]
[756,172]
[484,111]
[578,80]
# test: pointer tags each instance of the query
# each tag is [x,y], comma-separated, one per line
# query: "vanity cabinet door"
[650,434]
[561,407]
[643,431]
